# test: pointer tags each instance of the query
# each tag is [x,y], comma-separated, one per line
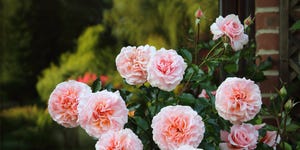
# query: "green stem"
[215,46]
[282,119]
[156,101]
[186,84]
[196,43]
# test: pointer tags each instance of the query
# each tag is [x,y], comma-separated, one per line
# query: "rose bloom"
[231,27]
[123,139]
[241,137]
[187,147]
[238,100]
[175,126]
[63,102]
[132,63]
[166,69]
[270,139]
[102,112]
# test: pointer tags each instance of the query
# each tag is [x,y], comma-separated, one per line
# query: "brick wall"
[267,40]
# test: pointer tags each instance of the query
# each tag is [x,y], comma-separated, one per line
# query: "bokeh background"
[45,42]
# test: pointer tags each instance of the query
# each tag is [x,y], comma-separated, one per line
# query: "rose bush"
[171,101]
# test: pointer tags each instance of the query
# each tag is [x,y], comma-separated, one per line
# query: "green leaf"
[262,146]
[259,76]
[231,68]
[187,98]
[295,26]
[286,146]
[189,73]
[267,64]
[212,122]
[201,104]
[96,86]
[218,51]
[292,127]
[141,122]
[186,55]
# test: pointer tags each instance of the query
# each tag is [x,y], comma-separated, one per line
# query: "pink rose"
[241,137]
[238,100]
[204,94]
[102,112]
[232,28]
[166,69]
[132,63]
[187,147]
[175,126]
[63,102]
[270,138]
[123,139]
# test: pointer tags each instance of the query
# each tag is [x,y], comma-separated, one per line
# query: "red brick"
[275,60]
[270,84]
[267,41]
[267,20]
[266,3]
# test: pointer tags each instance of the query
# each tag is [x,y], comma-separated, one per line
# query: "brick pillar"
[267,40]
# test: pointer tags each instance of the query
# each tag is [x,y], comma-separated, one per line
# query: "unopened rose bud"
[283,92]
[248,21]
[288,105]
[131,113]
[198,13]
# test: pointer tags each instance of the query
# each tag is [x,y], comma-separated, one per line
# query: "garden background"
[46,42]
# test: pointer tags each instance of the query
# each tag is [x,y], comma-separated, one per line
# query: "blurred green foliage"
[15,44]
[31,128]
[21,128]
[92,55]
[34,33]
[159,23]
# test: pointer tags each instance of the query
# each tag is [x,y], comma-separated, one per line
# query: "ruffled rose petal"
[175,126]
[63,102]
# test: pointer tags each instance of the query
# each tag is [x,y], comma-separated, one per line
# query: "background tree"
[33,34]
[160,23]
[94,53]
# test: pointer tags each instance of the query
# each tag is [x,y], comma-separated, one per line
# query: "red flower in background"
[104,79]
[89,78]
